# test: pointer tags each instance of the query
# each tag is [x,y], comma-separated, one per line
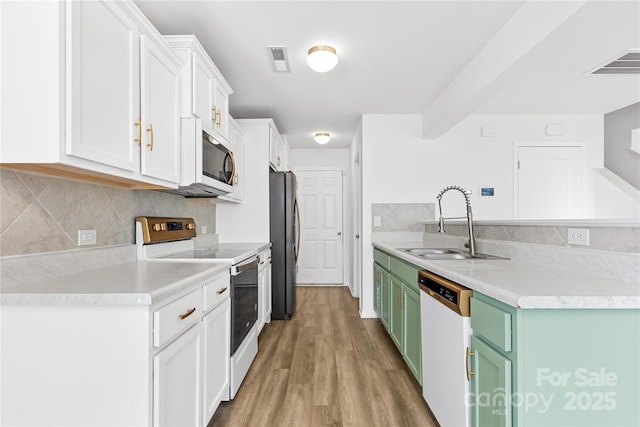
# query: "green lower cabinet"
[397,303]
[412,340]
[554,367]
[385,299]
[490,386]
[377,289]
[397,313]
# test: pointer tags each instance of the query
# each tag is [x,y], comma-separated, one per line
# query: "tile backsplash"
[43,214]
[603,238]
[404,217]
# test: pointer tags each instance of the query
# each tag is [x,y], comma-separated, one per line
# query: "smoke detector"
[627,63]
[279,57]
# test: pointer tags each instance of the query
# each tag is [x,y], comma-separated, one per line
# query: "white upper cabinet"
[159,112]
[103,64]
[109,84]
[205,92]
[278,150]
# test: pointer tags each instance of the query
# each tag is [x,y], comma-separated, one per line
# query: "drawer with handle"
[492,323]
[175,317]
[216,291]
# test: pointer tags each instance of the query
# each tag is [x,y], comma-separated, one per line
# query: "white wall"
[473,161]
[618,158]
[615,197]
[249,220]
[331,159]
[398,166]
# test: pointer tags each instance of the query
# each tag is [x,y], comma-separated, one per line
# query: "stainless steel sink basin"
[424,251]
[446,254]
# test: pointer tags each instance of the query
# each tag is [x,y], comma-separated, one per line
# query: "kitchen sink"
[447,254]
[424,251]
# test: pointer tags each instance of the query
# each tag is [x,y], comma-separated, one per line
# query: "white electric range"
[172,239]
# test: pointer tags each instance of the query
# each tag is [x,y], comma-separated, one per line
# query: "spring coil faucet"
[465,193]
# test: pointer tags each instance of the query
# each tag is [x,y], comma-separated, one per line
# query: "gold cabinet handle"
[150,130]
[466,361]
[218,119]
[139,138]
[221,291]
[215,113]
[187,314]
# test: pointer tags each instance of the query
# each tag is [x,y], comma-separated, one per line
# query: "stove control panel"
[164,229]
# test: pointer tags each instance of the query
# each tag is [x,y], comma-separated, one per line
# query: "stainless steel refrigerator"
[285,241]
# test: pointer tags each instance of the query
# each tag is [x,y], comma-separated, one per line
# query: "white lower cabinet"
[117,365]
[264,289]
[177,384]
[217,329]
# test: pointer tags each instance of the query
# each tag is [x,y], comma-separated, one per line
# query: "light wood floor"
[326,367]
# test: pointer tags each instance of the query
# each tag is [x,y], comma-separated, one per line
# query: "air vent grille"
[628,63]
[279,58]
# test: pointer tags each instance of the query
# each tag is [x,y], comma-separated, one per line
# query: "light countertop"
[128,283]
[528,286]
[131,283]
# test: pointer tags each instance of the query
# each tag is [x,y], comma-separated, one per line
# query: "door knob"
[339,233]
[357,236]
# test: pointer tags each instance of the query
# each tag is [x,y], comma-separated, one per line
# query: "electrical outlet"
[578,236]
[204,229]
[87,237]
[377,221]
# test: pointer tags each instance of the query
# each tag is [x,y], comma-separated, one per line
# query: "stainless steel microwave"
[207,163]
[217,160]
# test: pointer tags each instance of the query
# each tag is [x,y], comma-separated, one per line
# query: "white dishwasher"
[446,332]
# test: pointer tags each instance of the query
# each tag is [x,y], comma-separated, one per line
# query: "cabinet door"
[385,299]
[268,301]
[377,288]
[262,297]
[221,106]
[177,387]
[490,386]
[396,313]
[412,350]
[216,358]
[103,84]
[203,93]
[160,112]
[274,148]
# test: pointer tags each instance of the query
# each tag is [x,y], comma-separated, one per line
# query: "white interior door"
[321,239]
[549,182]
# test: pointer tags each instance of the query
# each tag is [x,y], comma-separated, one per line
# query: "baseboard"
[312,285]
[368,314]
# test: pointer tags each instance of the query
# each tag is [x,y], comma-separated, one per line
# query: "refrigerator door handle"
[297,214]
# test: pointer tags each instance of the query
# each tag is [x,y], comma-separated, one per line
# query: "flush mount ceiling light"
[322,137]
[322,58]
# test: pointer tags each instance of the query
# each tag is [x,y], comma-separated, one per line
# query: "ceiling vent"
[279,58]
[628,63]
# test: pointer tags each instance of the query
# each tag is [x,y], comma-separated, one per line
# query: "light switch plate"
[578,236]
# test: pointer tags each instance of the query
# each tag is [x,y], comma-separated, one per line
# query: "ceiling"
[398,57]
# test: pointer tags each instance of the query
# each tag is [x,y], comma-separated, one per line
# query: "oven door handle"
[248,265]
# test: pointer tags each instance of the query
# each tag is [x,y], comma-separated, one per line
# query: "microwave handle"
[233,167]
